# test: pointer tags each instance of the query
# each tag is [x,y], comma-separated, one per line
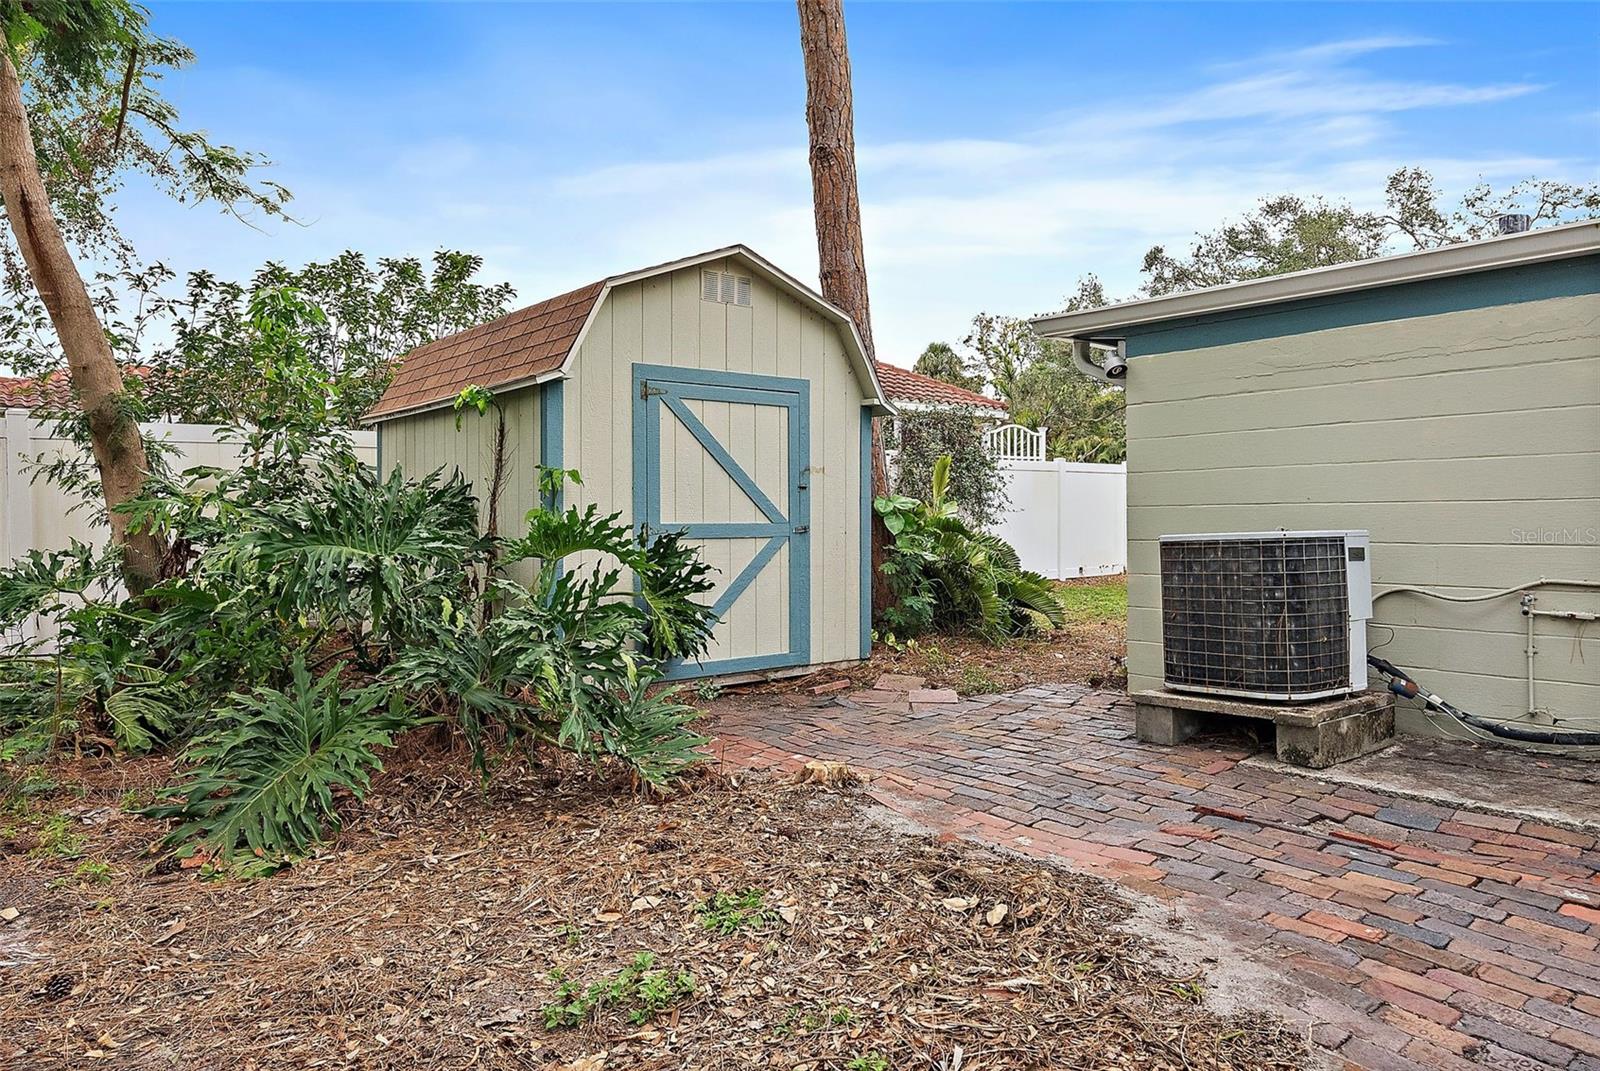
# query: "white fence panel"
[35,514]
[1067,519]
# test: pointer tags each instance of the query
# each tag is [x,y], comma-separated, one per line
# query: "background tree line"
[1036,377]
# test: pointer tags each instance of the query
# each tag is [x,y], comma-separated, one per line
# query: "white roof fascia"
[912,406]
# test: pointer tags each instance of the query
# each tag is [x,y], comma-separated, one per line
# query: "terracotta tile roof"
[512,349]
[904,385]
[16,393]
[22,392]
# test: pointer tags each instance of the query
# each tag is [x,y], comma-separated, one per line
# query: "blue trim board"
[553,439]
[1573,277]
[866,533]
[742,382]
[552,431]
[658,389]
[1565,278]
[746,576]
[800,517]
[688,670]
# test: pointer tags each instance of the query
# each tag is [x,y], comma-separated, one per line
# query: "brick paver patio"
[1404,934]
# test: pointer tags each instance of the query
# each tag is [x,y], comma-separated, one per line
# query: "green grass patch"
[1097,602]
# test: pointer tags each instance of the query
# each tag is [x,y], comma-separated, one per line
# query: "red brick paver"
[1409,935]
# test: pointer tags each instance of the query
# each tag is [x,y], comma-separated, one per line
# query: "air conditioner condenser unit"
[1266,615]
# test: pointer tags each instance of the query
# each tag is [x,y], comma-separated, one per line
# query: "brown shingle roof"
[513,349]
[904,385]
[530,343]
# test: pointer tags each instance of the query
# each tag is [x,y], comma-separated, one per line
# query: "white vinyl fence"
[1067,519]
[36,515]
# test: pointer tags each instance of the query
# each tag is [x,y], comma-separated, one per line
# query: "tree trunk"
[836,202]
[113,431]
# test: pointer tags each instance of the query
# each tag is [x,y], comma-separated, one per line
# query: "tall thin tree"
[83,73]
[113,428]
[836,203]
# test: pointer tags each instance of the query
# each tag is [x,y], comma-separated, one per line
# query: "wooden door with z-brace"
[724,457]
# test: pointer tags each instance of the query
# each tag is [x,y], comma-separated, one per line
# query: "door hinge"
[801,529]
[647,391]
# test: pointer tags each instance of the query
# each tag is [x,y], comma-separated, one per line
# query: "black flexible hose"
[1401,684]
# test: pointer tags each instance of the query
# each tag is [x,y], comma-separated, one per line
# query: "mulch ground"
[435,930]
[1094,653]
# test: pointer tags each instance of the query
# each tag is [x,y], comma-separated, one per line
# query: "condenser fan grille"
[1256,616]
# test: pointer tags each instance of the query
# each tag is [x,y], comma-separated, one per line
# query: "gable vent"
[726,288]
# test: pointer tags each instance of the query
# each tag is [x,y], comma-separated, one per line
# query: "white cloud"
[1004,217]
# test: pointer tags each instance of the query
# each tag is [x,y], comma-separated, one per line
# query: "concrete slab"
[1524,785]
[1315,735]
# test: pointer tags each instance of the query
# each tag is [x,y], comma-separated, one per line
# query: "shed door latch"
[801,529]
[647,391]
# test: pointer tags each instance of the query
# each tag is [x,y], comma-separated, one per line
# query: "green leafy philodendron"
[373,558]
[573,659]
[265,777]
[946,574]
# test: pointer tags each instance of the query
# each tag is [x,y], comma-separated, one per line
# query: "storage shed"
[714,394]
[1448,402]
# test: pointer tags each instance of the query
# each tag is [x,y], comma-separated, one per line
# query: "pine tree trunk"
[836,202]
[113,432]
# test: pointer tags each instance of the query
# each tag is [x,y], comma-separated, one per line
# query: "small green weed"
[56,837]
[871,1061]
[707,690]
[897,644]
[93,872]
[729,913]
[974,681]
[644,993]
[1189,991]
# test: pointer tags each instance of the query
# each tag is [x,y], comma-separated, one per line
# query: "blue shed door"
[725,458]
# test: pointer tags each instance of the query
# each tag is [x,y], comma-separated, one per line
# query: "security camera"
[1115,365]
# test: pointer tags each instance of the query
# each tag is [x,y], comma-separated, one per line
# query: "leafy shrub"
[369,559]
[266,773]
[301,559]
[977,485]
[569,661]
[947,575]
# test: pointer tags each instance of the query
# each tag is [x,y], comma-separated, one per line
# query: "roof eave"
[1531,247]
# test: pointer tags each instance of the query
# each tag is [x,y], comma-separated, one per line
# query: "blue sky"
[1005,149]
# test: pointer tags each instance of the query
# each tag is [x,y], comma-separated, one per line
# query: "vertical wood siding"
[663,321]
[429,442]
[1468,443]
